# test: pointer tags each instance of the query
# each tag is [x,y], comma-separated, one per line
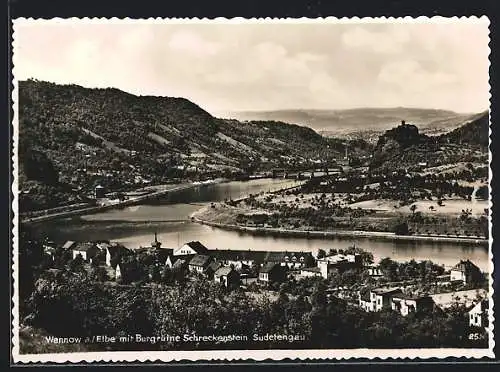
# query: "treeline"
[475,132]
[204,308]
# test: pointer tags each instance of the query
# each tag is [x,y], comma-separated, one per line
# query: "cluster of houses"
[227,267]
[465,272]
[231,267]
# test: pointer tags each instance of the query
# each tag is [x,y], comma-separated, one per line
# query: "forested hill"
[403,147]
[474,132]
[111,137]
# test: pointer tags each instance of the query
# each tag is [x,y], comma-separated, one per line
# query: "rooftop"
[198,247]
[236,255]
[178,263]
[84,247]
[464,265]
[199,260]
[382,291]
[338,258]
[484,305]
[68,244]
[268,267]
[417,298]
[225,270]
[214,266]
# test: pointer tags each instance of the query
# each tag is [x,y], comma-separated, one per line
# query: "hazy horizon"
[298,109]
[267,66]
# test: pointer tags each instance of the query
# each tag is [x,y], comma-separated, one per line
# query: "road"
[125,203]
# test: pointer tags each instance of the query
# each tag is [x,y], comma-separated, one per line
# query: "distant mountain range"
[364,123]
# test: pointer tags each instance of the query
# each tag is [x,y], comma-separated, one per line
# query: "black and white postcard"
[250,189]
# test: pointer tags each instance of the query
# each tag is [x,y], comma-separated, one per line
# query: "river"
[134,226]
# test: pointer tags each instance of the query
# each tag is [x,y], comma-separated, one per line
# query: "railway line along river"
[134,226]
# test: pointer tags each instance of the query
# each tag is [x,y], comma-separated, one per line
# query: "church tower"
[156,244]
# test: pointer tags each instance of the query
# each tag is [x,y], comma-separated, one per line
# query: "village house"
[99,192]
[199,263]
[310,271]
[114,252]
[104,247]
[365,301]
[169,262]
[69,245]
[272,273]
[378,298]
[292,260]
[161,255]
[87,250]
[375,272]
[410,304]
[466,272]
[478,315]
[158,253]
[338,263]
[190,249]
[178,264]
[240,259]
[227,276]
[339,292]
[212,268]
[381,297]
[49,248]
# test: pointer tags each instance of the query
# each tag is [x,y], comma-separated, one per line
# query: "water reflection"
[135,226]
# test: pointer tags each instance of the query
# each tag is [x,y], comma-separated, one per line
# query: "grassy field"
[449,207]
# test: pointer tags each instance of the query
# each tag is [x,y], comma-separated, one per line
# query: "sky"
[243,65]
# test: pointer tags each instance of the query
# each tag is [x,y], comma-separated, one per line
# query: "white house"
[339,262]
[310,271]
[49,248]
[478,315]
[104,246]
[408,304]
[87,250]
[364,299]
[190,249]
[378,298]
[227,276]
[381,297]
[466,272]
[199,263]
[375,272]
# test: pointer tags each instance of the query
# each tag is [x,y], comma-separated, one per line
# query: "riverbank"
[339,233]
[226,222]
[118,204]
